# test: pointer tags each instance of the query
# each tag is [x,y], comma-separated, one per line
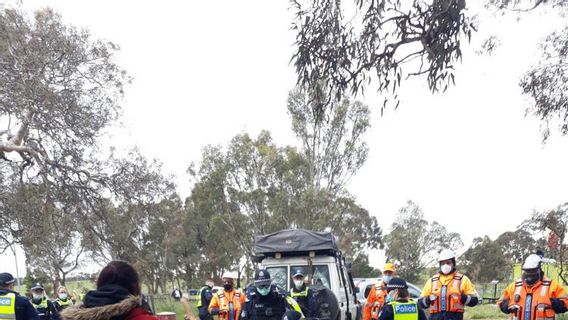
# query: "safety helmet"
[446,254]
[389,267]
[533,261]
[229,275]
[262,278]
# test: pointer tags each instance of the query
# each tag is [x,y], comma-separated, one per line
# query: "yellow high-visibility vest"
[8,306]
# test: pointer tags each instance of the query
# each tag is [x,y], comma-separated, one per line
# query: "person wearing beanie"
[398,305]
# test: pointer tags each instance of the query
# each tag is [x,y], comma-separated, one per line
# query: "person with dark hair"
[45,308]
[12,304]
[117,297]
[399,306]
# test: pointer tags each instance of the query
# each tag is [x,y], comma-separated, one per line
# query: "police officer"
[44,307]
[398,305]
[63,301]
[265,301]
[205,296]
[448,292]
[12,304]
[533,296]
[303,294]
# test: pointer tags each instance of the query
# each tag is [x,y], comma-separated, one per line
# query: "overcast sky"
[204,71]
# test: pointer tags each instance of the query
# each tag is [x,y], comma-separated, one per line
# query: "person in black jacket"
[399,305]
[13,304]
[45,308]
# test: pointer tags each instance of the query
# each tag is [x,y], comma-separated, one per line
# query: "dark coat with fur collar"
[127,309]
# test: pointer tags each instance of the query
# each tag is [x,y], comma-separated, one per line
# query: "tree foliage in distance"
[346,51]
[553,221]
[413,242]
[517,245]
[484,261]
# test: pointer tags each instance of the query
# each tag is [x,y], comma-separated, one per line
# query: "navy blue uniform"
[270,307]
[24,308]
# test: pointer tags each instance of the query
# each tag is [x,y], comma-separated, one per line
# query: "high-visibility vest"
[534,305]
[448,297]
[8,306]
[405,310]
[63,304]
[200,300]
[41,308]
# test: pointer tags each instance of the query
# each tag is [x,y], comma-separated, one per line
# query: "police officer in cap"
[398,305]
[265,301]
[45,308]
[12,304]
[303,294]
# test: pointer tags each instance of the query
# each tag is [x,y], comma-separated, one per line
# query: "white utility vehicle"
[318,256]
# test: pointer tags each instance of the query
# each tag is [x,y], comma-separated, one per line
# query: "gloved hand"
[463,298]
[223,310]
[214,311]
[425,302]
[558,305]
[513,309]
[504,306]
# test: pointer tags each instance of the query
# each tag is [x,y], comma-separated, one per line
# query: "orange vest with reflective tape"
[381,293]
[533,302]
[448,297]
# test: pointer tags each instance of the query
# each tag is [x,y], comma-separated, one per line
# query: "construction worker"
[63,301]
[533,296]
[398,304]
[45,308]
[265,301]
[205,296]
[448,292]
[12,304]
[377,294]
[227,303]
[303,294]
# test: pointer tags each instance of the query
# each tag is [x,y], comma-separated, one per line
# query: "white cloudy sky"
[207,70]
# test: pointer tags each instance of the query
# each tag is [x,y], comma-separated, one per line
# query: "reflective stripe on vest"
[303,293]
[404,310]
[444,301]
[294,304]
[8,306]
[62,303]
[533,305]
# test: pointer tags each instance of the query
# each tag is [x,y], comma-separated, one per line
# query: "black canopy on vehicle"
[295,242]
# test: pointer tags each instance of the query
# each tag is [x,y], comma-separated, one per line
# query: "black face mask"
[530,278]
[227,287]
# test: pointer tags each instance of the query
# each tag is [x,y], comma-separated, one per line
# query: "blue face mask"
[388,298]
[263,291]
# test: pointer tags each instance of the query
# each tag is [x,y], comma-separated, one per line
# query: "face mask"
[228,287]
[263,291]
[446,269]
[37,296]
[392,296]
[298,283]
[63,296]
[530,278]
[387,279]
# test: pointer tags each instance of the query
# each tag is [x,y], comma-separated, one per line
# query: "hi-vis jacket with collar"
[228,304]
[452,292]
[534,302]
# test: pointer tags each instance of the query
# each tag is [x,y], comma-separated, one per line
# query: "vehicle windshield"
[280,275]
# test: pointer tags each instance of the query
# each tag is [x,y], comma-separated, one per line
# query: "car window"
[321,273]
[279,276]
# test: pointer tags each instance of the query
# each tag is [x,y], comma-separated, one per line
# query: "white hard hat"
[229,274]
[533,261]
[446,254]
